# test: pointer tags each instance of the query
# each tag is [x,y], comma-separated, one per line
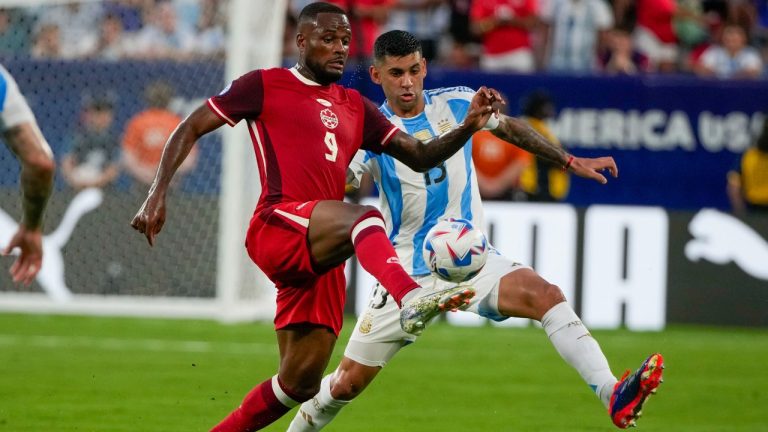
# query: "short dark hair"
[310,11]
[395,43]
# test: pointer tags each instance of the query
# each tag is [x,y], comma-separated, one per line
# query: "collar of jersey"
[295,71]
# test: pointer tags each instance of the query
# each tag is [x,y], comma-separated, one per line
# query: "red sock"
[378,257]
[264,404]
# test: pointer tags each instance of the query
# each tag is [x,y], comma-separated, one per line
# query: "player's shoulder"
[448,93]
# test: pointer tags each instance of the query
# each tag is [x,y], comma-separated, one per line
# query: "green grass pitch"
[109,374]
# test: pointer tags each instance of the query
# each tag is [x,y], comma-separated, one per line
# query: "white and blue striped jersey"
[13,107]
[413,202]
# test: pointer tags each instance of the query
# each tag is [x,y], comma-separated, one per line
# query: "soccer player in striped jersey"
[413,202]
[22,135]
[305,130]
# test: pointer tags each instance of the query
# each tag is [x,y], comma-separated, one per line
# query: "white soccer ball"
[455,250]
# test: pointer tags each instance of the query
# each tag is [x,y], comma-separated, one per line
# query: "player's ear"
[375,74]
[424,66]
[301,42]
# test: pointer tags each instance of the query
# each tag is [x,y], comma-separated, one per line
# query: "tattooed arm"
[519,133]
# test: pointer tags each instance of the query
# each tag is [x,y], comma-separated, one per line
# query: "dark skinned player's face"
[324,46]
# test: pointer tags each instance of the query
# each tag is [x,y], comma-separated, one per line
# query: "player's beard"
[323,74]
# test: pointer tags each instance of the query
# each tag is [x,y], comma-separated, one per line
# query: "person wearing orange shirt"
[146,133]
[498,166]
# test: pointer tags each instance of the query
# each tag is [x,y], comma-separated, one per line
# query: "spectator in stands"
[654,35]
[367,19]
[93,160]
[163,36]
[620,56]
[14,32]
[691,24]
[574,32]
[130,12]
[78,25]
[47,42]
[505,28]
[113,44]
[748,182]
[464,50]
[541,181]
[425,19]
[146,133]
[624,13]
[732,58]
[210,40]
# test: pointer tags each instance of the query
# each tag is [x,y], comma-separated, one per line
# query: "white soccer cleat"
[415,314]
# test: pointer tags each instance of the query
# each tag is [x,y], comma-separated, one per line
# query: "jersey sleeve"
[357,168]
[243,98]
[14,109]
[377,130]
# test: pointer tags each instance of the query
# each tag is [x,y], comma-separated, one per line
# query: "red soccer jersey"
[304,134]
[505,38]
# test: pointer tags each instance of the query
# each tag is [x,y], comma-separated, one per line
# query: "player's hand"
[482,107]
[28,264]
[592,168]
[150,218]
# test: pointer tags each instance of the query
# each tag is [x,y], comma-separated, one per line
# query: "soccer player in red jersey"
[305,130]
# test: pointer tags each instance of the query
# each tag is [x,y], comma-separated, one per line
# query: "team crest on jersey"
[444,126]
[329,118]
[366,323]
[423,135]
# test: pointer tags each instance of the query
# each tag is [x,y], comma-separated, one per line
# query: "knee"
[551,295]
[369,211]
[347,385]
[527,295]
[302,389]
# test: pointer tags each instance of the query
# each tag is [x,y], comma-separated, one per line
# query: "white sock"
[412,294]
[579,349]
[317,412]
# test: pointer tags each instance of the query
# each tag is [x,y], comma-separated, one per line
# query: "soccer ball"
[455,250]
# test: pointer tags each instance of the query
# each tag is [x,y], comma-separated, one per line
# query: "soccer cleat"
[415,314]
[632,390]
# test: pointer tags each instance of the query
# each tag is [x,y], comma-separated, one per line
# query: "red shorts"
[277,242]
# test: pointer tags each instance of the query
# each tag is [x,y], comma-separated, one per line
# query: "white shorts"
[377,335]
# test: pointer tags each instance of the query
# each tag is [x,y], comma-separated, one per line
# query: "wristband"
[568,164]
[492,122]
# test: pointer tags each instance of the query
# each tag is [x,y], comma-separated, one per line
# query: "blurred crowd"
[115,29]
[719,38]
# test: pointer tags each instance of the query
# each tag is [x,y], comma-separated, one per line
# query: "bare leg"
[336,391]
[351,378]
[304,354]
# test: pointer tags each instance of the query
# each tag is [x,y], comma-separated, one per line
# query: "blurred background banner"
[633,266]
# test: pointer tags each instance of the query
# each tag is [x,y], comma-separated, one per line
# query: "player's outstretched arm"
[421,157]
[150,218]
[521,134]
[37,169]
